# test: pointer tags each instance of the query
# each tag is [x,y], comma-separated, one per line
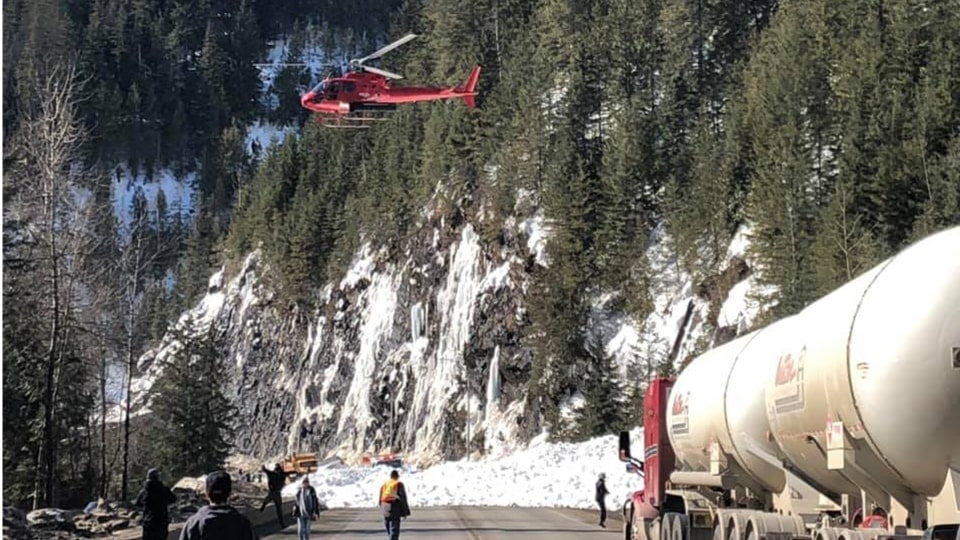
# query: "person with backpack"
[275,481]
[218,520]
[602,499]
[306,508]
[154,499]
[393,505]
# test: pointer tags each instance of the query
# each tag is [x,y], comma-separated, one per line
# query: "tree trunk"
[43,495]
[103,482]
[133,290]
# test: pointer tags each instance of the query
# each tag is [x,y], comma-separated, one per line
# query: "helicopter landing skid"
[355,120]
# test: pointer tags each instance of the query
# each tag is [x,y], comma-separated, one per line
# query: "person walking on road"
[306,508]
[275,481]
[602,499]
[218,520]
[154,499]
[393,504]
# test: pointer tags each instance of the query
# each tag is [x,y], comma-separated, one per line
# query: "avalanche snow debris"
[547,475]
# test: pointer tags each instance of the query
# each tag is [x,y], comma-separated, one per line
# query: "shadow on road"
[292,531]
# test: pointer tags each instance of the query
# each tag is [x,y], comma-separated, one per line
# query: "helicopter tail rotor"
[469,88]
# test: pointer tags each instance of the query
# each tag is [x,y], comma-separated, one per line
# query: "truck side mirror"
[624,445]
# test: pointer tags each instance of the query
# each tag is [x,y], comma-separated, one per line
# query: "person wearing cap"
[306,508]
[218,520]
[154,499]
[393,504]
[602,499]
[275,481]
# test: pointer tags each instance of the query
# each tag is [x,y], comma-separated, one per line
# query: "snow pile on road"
[542,475]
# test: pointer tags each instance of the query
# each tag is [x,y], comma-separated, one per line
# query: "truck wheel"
[680,528]
[666,526]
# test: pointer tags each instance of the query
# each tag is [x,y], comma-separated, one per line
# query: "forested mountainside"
[622,134]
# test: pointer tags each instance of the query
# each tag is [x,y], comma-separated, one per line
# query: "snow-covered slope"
[680,321]
[541,475]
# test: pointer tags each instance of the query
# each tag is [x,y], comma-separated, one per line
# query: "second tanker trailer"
[839,423]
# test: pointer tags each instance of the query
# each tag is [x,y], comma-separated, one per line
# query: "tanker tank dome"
[904,362]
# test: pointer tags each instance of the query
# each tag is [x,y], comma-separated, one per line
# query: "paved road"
[457,523]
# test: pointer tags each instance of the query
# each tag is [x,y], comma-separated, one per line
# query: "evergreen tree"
[198,259]
[190,414]
[785,186]
[844,247]
[604,409]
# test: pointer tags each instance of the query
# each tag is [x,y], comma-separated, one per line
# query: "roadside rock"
[14,517]
[51,519]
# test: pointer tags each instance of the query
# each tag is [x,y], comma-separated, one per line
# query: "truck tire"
[666,526]
[680,528]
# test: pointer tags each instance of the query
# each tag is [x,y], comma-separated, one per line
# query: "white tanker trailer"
[839,423]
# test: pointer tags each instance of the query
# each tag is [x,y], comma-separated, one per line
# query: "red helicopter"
[364,94]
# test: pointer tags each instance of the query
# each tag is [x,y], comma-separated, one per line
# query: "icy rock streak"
[438,382]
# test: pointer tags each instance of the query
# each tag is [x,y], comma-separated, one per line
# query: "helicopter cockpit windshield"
[319,88]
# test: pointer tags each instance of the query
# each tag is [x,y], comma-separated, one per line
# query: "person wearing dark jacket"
[393,504]
[275,481]
[602,499]
[218,520]
[305,508]
[154,499]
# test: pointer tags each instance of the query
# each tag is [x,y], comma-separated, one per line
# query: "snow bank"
[542,475]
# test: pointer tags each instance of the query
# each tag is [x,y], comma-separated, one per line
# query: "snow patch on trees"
[178,190]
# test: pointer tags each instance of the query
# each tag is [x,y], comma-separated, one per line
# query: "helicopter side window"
[349,87]
[332,90]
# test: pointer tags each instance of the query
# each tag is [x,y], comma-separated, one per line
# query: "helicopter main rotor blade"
[385,73]
[388,48]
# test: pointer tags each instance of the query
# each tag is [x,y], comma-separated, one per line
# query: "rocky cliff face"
[408,352]
[416,350]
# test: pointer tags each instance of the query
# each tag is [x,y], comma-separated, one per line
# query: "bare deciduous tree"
[49,202]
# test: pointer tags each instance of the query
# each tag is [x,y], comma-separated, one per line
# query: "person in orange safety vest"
[393,504]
